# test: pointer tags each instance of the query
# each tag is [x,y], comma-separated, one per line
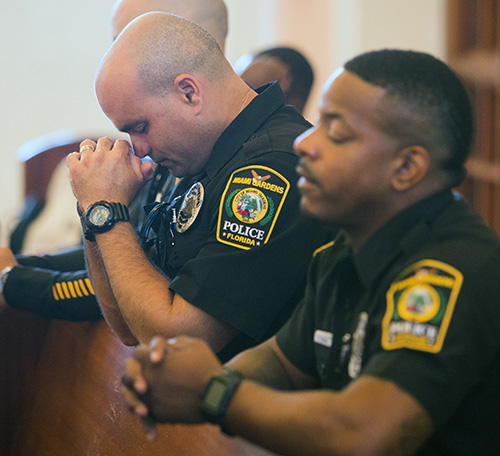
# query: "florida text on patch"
[420,304]
[250,206]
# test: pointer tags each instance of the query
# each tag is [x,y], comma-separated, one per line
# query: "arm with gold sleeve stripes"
[54,286]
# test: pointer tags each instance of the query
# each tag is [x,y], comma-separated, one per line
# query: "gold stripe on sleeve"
[89,286]
[71,289]
[59,291]
[83,287]
[77,288]
[65,289]
[54,292]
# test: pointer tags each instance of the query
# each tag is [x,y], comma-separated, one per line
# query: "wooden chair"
[40,157]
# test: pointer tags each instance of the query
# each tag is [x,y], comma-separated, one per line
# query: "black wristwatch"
[217,395]
[101,217]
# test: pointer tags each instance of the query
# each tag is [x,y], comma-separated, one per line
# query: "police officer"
[231,246]
[395,348]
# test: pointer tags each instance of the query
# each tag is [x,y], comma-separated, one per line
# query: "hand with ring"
[106,170]
[85,147]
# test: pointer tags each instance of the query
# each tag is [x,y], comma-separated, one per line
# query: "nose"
[305,145]
[140,147]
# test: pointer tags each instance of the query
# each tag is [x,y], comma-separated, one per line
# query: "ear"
[189,88]
[414,163]
[285,81]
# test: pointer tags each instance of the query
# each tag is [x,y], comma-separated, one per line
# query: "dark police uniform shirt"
[418,304]
[239,248]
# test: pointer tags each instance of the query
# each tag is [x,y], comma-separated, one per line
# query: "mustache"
[303,170]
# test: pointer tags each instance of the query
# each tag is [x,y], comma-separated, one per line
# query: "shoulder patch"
[250,206]
[420,304]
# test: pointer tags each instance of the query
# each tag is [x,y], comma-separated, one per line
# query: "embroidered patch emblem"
[190,207]
[420,304]
[250,206]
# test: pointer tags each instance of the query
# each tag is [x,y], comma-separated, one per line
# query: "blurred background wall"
[49,52]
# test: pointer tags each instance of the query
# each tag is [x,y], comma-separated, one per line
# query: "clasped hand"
[107,170]
[164,382]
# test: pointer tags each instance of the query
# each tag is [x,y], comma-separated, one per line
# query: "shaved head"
[161,46]
[209,14]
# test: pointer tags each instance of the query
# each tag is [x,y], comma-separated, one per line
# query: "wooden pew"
[70,400]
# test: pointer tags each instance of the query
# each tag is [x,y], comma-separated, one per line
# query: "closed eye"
[138,128]
[339,140]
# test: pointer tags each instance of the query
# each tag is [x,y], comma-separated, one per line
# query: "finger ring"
[85,147]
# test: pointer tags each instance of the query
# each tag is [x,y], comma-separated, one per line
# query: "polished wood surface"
[61,395]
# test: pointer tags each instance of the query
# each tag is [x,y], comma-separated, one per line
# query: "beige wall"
[329,32]
[287,23]
[49,51]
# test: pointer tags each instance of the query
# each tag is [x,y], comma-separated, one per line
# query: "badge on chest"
[190,207]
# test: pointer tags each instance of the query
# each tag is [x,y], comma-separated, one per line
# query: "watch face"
[99,215]
[214,396]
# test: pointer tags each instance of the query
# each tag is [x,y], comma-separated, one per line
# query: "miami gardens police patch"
[250,206]
[420,303]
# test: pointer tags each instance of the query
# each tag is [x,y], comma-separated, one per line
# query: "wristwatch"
[4,275]
[217,395]
[101,217]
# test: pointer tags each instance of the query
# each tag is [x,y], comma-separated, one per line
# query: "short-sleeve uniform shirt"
[418,304]
[236,245]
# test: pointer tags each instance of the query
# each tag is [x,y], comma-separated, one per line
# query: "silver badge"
[358,345]
[190,207]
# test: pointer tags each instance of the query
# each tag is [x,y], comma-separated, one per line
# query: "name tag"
[323,338]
